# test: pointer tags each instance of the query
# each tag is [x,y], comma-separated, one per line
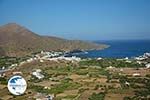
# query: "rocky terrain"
[16,40]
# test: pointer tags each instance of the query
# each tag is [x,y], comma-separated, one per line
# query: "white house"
[13,65]
[127,83]
[139,58]
[139,62]
[136,74]
[21,63]
[30,60]
[110,67]
[126,58]
[147,65]
[41,60]
[38,74]
[99,58]
[146,55]
[128,61]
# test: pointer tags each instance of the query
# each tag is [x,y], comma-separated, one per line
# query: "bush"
[3,80]
[99,96]
[127,98]
[96,87]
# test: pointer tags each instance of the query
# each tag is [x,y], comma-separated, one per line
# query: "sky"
[80,19]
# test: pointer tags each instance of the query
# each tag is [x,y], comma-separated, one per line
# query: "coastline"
[118,49]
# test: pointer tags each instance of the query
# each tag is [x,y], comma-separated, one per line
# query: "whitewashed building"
[37,74]
[147,65]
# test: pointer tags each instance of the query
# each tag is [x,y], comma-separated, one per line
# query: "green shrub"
[3,80]
[99,96]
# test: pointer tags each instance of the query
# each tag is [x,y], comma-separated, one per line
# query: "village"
[49,56]
[58,56]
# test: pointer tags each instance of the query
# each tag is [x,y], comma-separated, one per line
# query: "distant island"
[16,40]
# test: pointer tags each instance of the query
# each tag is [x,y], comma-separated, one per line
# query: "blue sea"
[119,49]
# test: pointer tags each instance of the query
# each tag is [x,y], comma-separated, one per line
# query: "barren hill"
[16,40]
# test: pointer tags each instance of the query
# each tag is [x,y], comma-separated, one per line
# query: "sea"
[118,49]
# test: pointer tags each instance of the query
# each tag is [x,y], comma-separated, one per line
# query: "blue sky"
[80,19]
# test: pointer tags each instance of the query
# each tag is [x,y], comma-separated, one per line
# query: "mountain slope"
[16,40]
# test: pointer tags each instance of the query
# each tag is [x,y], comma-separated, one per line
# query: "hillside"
[16,40]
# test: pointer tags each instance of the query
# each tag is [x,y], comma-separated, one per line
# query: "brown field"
[86,79]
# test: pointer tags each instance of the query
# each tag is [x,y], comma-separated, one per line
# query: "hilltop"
[16,40]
